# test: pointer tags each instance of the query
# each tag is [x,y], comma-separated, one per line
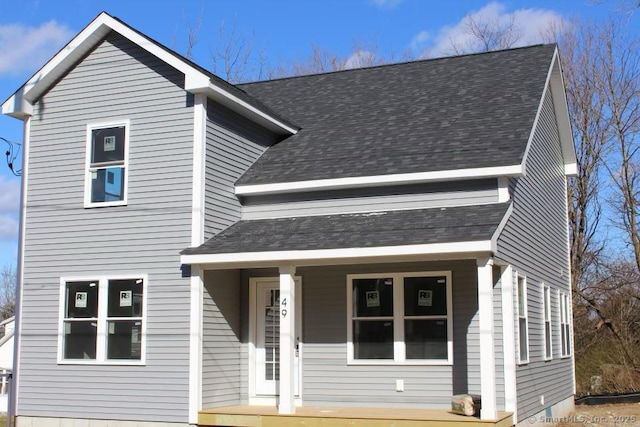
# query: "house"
[7,328]
[362,244]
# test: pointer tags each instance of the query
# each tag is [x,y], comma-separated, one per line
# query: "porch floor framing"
[267,416]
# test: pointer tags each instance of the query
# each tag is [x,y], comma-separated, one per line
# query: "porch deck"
[267,416]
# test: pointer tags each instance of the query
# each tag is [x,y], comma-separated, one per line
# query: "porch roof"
[363,231]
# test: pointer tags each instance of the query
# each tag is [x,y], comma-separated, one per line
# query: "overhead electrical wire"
[12,154]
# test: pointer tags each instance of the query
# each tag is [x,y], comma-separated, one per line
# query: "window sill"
[103,363]
[394,363]
[105,204]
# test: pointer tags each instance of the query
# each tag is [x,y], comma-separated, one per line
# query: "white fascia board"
[562,116]
[378,180]
[63,59]
[218,93]
[346,253]
[16,106]
[195,80]
[571,169]
[555,84]
[501,225]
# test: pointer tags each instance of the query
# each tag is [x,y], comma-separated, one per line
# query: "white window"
[107,162]
[102,320]
[400,318]
[565,329]
[546,305]
[523,327]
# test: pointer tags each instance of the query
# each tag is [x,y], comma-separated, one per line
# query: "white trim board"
[305,256]
[196,281]
[398,316]
[378,180]
[126,123]
[102,320]
[509,340]
[555,84]
[254,398]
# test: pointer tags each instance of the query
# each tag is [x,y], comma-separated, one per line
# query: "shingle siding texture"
[451,113]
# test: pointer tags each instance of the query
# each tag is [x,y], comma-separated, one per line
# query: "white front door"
[267,336]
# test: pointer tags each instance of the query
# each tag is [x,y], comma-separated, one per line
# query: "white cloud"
[385,4]
[8,228]
[420,40]
[530,24]
[359,59]
[24,48]
[9,194]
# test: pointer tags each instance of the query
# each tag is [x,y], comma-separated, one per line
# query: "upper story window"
[107,162]
[102,320]
[400,318]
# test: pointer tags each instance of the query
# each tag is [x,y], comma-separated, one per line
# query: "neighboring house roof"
[465,112]
[361,230]
[197,79]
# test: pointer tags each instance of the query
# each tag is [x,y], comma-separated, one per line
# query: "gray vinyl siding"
[221,346]
[369,200]
[328,380]
[534,241]
[233,145]
[118,80]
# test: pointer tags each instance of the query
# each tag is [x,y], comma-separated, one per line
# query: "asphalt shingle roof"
[450,113]
[392,228]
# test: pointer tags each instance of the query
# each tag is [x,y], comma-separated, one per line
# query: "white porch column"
[287,339]
[487,349]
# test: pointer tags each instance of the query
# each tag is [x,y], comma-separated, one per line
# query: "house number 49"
[283,304]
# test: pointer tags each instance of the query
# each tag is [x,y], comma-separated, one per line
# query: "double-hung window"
[102,320]
[523,327]
[546,305]
[107,161]
[565,328]
[400,318]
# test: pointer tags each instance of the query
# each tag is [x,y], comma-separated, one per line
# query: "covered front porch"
[377,335]
[268,416]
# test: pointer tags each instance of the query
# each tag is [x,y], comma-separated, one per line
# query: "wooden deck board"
[267,416]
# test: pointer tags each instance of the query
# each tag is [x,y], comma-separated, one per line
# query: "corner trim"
[197,238]
[509,341]
[12,404]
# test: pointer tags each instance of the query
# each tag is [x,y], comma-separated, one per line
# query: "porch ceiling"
[365,232]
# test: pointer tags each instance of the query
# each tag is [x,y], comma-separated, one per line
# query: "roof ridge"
[394,64]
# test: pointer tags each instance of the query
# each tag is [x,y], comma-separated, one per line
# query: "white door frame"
[254,398]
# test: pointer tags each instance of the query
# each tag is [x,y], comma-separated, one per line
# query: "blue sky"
[31,31]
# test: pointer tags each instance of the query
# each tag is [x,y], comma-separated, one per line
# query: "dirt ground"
[619,415]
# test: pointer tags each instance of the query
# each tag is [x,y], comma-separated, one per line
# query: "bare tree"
[192,36]
[620,86]
[487,35]
[235,56]
[8,287]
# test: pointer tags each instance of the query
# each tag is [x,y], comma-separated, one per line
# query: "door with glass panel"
[269,308]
